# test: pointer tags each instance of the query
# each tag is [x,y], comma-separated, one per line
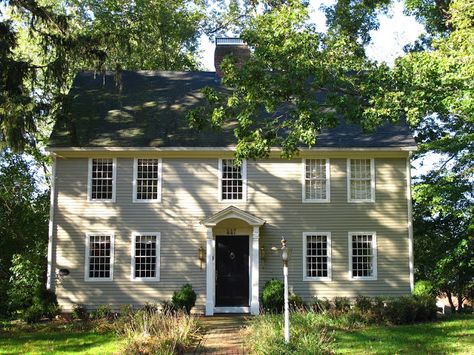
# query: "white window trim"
[372,182]
[328,182]
[329,239]
[135,174]
[89,181]
[244,183]
[158,257]
[374,252]
[112,253]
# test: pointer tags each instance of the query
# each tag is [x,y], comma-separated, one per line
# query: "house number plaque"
[231,231]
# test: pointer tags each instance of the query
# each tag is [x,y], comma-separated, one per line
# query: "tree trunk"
[460,301]
[450,300]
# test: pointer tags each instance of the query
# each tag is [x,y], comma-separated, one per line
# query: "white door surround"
[211,222]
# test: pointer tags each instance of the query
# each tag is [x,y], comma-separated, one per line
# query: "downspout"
[410,225]
[51,225]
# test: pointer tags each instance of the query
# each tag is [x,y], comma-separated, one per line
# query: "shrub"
[104,311]
[342,304]
[296,303]
[157,333]
[44,305]
[424,288]
[79,311]
[184,298]
[273,296]
[363,303]
[321,305]
[425,308]
[167,307]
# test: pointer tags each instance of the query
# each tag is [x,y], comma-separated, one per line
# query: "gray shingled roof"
[150,111]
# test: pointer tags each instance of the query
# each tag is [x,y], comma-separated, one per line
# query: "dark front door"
[232,271]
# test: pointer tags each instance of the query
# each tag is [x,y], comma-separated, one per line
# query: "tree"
[311,78]
[44,44]
[24,210]
[139,35]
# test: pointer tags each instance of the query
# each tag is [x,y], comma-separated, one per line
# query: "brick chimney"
[230,46]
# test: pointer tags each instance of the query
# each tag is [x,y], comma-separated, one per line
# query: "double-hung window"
[360,180]
[232,180]
[317,256]
[146,256]
[99,257]
[102,177]
[362,255]
[316,180]
[147,180]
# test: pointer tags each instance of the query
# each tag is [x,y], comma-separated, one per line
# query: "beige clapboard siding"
[190,193]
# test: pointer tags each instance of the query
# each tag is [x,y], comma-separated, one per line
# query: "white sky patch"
[396,30]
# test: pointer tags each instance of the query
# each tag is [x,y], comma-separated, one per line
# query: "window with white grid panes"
[102,179]
[147,180]
[361,179]
[317,250]
[363,257]
[316,180]
[99,257]
[146,256]
[232,180]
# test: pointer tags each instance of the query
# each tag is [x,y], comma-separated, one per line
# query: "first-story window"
[362,255]
[146,256]
[232,180]
[147,180]
[101,183]
[317,256]
[99,257]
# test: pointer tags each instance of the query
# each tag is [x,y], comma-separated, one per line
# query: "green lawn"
[452,336]
[56,339]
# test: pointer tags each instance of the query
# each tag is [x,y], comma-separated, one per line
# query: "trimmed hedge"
[377,310]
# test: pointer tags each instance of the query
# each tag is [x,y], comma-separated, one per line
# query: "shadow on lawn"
[448,336]
[74,341]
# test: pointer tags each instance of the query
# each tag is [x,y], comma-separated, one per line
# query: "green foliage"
[44,305]
[321,305]
[296,302]
[273,296]
[424,288]
[24,210]
[79,311]
[342,304]
[103,311]
[184,298]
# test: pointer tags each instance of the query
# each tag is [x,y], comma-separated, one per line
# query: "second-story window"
[232,180]
[102,179]
[316,180]
[147,180]
[361,180]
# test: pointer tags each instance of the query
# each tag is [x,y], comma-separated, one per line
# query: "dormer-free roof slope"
[148,109]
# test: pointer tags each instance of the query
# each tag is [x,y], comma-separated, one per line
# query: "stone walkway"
[224,335]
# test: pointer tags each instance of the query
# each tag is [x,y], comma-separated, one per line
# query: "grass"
[56,338]
[450,336]
[313,333]
[138,332]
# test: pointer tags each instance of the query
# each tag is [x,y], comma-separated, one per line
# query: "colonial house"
[142,204]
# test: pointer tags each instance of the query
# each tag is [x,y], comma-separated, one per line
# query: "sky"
[396,30]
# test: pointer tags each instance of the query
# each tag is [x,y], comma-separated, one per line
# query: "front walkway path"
[224,335]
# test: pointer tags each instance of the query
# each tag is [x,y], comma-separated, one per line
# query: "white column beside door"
[254,303]
[209,273]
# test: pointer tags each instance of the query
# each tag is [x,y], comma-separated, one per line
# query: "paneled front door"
[232,271]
